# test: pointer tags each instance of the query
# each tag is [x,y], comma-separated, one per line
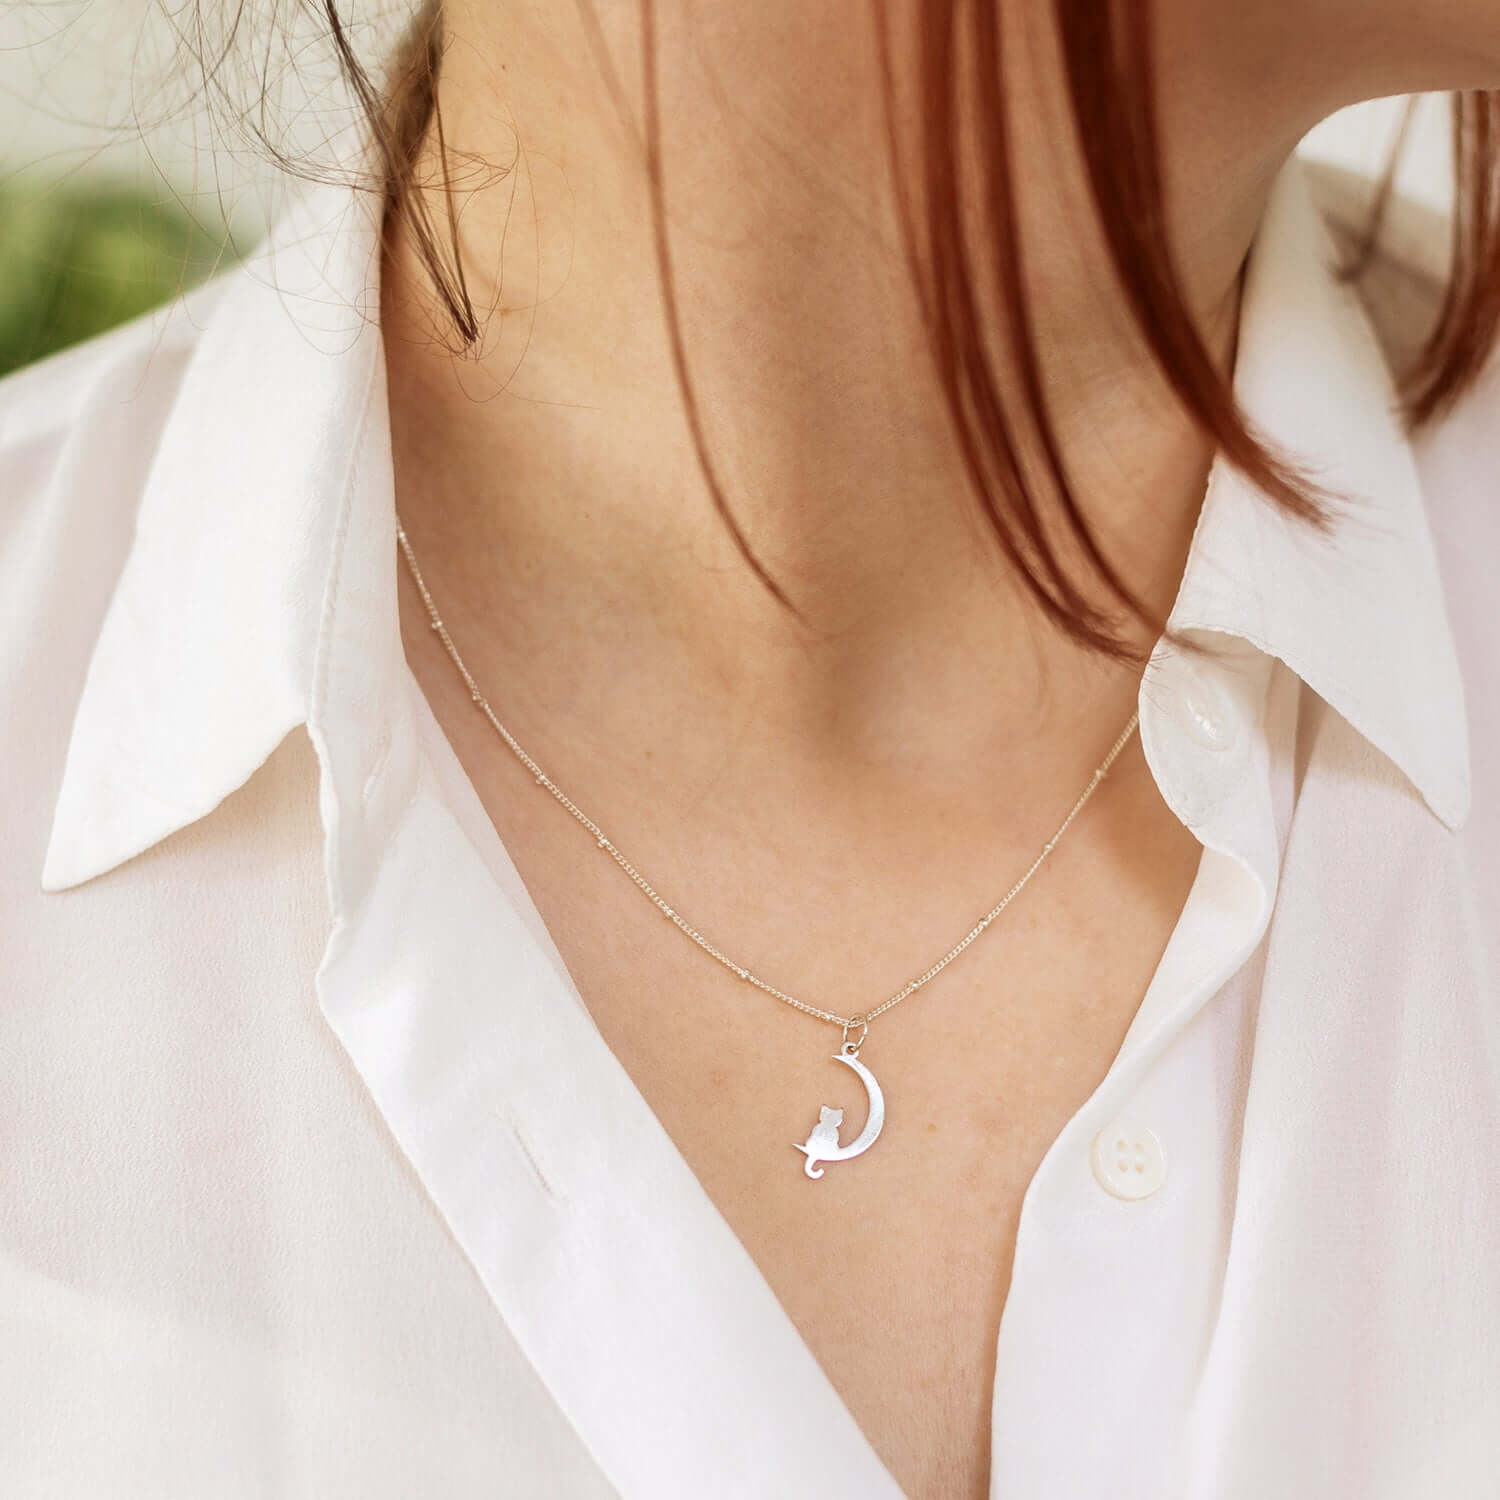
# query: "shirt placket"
[634,1301]
[1124,1229]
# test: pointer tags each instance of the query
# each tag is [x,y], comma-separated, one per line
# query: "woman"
[908,494]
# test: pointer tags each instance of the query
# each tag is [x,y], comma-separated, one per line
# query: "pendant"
[823,1143]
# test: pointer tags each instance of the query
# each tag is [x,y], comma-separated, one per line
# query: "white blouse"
[317,1180]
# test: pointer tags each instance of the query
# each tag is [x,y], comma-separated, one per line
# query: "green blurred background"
[75,260]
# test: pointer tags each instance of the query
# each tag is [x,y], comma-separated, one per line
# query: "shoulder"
[1402,287]
[1457,453]
[66,400]
[78,432]
[1404,271]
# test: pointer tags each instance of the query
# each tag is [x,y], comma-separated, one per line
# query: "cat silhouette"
[823,1141]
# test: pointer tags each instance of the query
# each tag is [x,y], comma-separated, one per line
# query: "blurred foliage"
[75,261]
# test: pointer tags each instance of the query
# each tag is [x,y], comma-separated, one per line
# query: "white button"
[1206,709]
[1129,1161]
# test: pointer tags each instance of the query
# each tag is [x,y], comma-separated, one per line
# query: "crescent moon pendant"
[823,1143]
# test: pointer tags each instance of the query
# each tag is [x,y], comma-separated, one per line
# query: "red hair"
[1107,55]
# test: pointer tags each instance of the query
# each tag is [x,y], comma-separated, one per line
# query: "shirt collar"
[209,652]
[205,659]
[1359,613]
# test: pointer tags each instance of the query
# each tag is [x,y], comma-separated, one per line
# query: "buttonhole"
[544,1181]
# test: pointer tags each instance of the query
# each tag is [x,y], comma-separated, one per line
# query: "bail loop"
[851,1049]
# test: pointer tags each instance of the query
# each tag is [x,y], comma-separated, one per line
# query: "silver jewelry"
[822,1145]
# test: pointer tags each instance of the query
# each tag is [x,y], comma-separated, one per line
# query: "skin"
[831,799]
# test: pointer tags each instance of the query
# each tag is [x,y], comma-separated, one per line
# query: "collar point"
[1451,802]
[67,866]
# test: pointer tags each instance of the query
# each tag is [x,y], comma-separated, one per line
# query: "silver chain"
[863,1018]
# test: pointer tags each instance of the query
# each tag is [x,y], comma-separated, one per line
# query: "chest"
[1296,1335]
[893,1266]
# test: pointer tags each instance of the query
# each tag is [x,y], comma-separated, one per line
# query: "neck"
[559,472]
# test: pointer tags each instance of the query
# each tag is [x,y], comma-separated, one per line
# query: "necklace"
[822,1144]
